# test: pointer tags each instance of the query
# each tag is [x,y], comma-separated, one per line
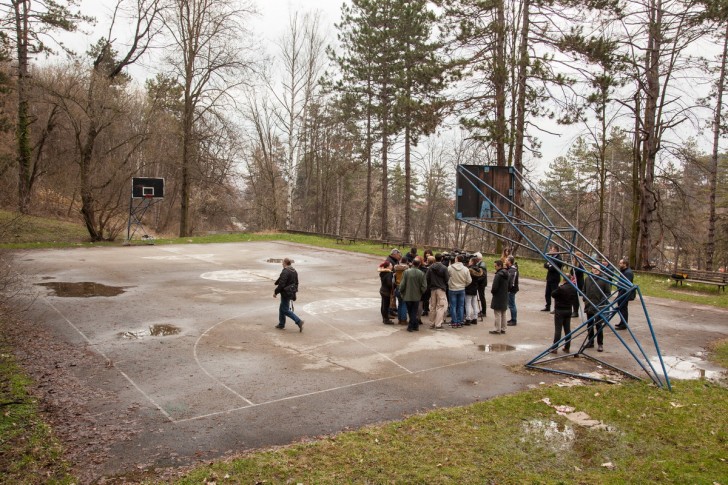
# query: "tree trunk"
[713,171]
[23,121]
[184,223]
[651,143]
[602,171]
[367,225]
[500,79]
[407,183]
[636,171]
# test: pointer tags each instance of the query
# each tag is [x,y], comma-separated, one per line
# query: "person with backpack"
[512,268]
[287,287]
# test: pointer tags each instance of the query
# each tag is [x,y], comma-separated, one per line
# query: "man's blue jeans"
[284,310]
[401,307]
[512,306]
[457,305]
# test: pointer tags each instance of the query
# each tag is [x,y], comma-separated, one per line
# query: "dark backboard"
[481,189]
[147,187]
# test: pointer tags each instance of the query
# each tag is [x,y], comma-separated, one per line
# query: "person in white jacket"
[459,278]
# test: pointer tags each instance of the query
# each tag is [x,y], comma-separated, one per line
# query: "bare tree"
[95,99]
[302,55]
[32,25]
[208,57]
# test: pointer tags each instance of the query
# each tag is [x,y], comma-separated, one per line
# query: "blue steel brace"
[540,226]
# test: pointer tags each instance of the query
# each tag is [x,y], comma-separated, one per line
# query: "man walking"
[499,300]
[412,288]
[437,278]
[287,287]
[512,268]
[624,303]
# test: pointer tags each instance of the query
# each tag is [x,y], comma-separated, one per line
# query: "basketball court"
[183,341]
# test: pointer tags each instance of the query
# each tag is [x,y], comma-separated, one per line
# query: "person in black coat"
[578,272]
[596,298]
[386,290]
[287,287]
[499,301]
[552,276]
[564,297]
[624,303]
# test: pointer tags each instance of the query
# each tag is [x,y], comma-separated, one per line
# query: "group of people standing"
[596,288]
[414,286]
[436,285]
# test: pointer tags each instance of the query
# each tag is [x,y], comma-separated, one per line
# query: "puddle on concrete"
[496,348]
[84,289]
[159,330]
[687,368]
[556,436]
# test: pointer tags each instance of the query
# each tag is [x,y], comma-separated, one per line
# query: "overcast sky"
[271,23]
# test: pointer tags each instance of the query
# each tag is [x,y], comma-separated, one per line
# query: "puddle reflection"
[83,289]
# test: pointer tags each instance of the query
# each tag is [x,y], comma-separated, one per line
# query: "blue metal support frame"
[543,226]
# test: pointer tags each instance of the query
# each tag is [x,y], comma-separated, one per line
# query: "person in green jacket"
[412,287]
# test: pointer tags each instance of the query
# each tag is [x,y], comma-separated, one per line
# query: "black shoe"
[503,331]
[511,323]
[280,327]
[300,326]
[409,329]
[495,332]
[388,322]
[575,315]
[474,321]
[621,326]
[466,322]
[424,314]
[546,309]
[589,346]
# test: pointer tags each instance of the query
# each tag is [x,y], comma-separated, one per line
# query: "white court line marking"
[199,364]
[206,258]
[386,357]
[98,350]
[332,389]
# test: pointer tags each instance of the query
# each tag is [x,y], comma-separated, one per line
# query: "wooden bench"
[701,277]
[345,240]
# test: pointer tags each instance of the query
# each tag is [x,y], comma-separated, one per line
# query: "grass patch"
[719,352]
[655,436]
[28,451]
[17,229]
